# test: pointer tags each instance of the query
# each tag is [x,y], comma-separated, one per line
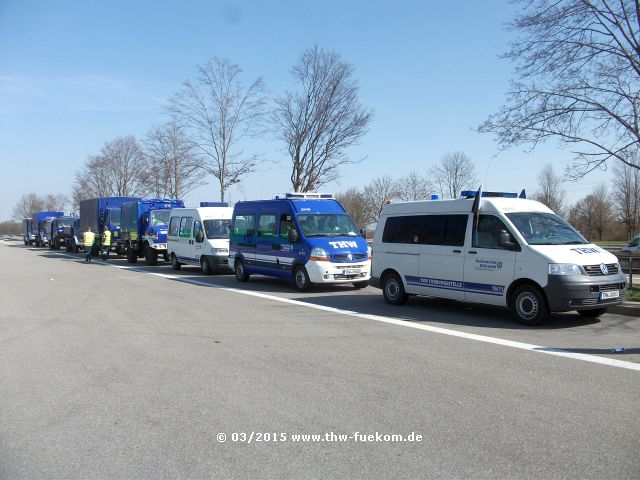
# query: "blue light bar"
[214,204]
[472,194]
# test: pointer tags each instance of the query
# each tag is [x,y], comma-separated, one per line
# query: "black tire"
[362,284]
[26,242]
[596,312]
[529,305]
[301,279]
[241,273]
[132,255]
[205,266]
[393,289]
[165,256]
[175,264]
[150,256]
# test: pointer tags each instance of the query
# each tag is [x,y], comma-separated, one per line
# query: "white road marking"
[402,323]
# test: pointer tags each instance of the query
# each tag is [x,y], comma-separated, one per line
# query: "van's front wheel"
[529,305]
[301,279]
[393,289]
[175,264]
[241,273]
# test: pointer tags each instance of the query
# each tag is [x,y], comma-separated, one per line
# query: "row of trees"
[30,203]
[212,116]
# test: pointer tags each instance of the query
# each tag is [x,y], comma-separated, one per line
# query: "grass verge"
[633,295]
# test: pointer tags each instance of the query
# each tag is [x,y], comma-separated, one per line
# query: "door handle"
[457,251]
[472,252]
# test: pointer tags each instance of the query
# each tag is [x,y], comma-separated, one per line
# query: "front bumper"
[219,262]
[582,292]
[329,272]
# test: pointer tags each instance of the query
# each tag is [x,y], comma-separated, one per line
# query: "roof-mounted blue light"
[305,195]
[214,204]
[472,194]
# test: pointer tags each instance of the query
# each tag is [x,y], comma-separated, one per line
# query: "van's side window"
[487,235]
[243,225]
[426,229]
[286,225]
[174,226]
[185,226]
[267,226]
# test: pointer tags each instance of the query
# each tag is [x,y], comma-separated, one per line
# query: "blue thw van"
[306,237]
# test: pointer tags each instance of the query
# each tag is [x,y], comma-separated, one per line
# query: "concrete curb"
[626,308]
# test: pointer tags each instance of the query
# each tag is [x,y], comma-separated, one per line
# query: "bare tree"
[454,174]
[221,112]
[378,192]
[626,197]
[175,168]
[28,204]
[594,213]
[55,202]
[322,120]
[119,170]
[354,203]
[550,192]
[414,187]
[579,72]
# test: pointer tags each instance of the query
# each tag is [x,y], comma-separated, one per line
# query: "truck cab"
[60,231]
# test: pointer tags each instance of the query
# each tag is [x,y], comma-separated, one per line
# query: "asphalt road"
[137,372]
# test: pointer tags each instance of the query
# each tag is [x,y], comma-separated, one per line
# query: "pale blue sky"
[77,73]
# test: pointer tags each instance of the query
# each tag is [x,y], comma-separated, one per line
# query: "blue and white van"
[306,237]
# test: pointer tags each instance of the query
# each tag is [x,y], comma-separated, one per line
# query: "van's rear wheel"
[393,289]
[241,273]
[175,264]
[529,305]
[301,279]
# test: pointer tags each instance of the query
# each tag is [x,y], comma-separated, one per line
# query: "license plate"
[611,294]
[353,271]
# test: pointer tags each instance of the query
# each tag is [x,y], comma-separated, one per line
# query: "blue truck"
[41,224]
[144,228]
[61,230]
[98,213]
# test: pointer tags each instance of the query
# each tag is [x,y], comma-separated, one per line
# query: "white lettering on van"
[349,244]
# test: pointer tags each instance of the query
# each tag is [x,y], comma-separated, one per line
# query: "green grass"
[633,294]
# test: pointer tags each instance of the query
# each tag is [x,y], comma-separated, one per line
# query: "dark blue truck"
[61,231]
[41,223]
[144,228]
[98,213]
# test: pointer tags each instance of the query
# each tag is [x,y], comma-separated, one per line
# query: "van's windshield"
[327,225]
[217,228]
[545,229]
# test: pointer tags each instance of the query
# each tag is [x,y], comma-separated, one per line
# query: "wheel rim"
[527,305]
[392,288]
[301,278]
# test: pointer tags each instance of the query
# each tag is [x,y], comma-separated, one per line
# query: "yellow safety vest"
[88,238]
[106,238]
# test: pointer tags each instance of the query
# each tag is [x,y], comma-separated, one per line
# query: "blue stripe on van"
[471,287]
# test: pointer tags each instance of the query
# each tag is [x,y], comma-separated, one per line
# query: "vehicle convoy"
[143,229]
[61,229]
[200,236]
[98,213]
[306,237]
[42,226]
[28,235]
[493,248]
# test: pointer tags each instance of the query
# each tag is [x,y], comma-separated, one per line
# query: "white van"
[200,236]
[496,249]
[633,246]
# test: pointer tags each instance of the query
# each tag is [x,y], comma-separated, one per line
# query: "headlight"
[369,251]
[219,251]
[318,254]
[564,269]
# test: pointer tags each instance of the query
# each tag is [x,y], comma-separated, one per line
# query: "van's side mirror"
[293,236]
[199,236]
[363,234]
[505,240]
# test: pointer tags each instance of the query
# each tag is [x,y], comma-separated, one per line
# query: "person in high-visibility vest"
[106,243]
[88,237]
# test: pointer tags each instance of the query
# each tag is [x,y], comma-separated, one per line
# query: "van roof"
[204,212]
[308,205]
[463,205]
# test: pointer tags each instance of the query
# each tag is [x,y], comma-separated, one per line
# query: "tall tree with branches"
[550,190]
[626,197]
[376,193]
[175,168]
[414,187]
[28,204]
[578,68]
[221,112]
[320,121]
[453,174]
